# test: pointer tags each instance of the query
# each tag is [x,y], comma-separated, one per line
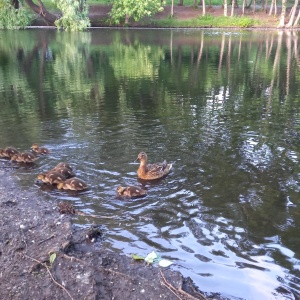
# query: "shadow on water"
[223,106]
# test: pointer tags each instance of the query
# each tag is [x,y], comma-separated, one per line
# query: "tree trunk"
[271,7]
[203,8]
[127,19]
[297,19]
[282,16]
[293,12]
[254,6]
[15,4]
[180,3]
[243,7]
[232,8]
[172,9]
[289,56]
[225,8]
[42,11]
[265,4]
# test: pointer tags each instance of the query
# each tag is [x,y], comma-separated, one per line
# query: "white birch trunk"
[297,19]
[225,8]
[282,15]
[292,16]
[232,8]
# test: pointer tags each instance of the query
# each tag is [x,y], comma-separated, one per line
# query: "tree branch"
[42,11]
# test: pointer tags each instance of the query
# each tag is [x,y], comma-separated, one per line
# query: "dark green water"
[223,106]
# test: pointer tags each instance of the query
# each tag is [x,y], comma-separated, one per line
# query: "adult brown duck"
[152,171]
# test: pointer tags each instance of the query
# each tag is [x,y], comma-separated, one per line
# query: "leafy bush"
[74,15]
[122,10]
[11,18]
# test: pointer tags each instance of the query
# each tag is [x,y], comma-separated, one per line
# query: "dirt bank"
[31,229]
[99,16]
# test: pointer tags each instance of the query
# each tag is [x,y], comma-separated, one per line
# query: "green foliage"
[123,10]
[11,18]
[208,21]
[75,15]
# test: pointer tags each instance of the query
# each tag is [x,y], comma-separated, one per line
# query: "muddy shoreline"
[32,229]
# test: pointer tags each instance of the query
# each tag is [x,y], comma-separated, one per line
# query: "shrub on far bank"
[11,18]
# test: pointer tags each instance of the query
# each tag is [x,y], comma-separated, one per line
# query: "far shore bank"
[184,17]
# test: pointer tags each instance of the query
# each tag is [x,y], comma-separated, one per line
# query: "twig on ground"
[71,258]
[47,268]
[179,290]
[50,237]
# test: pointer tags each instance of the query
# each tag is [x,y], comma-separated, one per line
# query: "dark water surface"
[223,106]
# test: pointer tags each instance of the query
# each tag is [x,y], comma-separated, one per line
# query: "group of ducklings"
[25,157]
[63,177]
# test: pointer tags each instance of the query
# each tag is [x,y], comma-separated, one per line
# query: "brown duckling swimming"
[74,184]
[39,150]
[51,177]
[25,157]
[63,165]
[152,171]
[8,152]
[131,191]
[66,172]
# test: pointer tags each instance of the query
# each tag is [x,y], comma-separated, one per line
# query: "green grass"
[207,21]
[199,2]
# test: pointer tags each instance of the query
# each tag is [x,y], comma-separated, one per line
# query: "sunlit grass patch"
[207,21]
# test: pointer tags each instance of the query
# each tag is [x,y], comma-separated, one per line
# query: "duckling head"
[120,189]
[41,176]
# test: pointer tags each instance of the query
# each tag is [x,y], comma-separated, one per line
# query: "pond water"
[222,106]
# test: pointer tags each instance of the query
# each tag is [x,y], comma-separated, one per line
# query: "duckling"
[8,152]
[25,157]
[39,150]
[74,184]
[152,171]
[51,177]
[131,191]
[66,172]
[63,165]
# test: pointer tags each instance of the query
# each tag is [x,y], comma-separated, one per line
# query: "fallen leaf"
[151,257]
[52,258]
[137,257]
[165,263]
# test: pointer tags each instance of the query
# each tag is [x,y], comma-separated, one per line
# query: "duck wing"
[159,168]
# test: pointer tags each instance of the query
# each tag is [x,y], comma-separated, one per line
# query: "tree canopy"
[123,10]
